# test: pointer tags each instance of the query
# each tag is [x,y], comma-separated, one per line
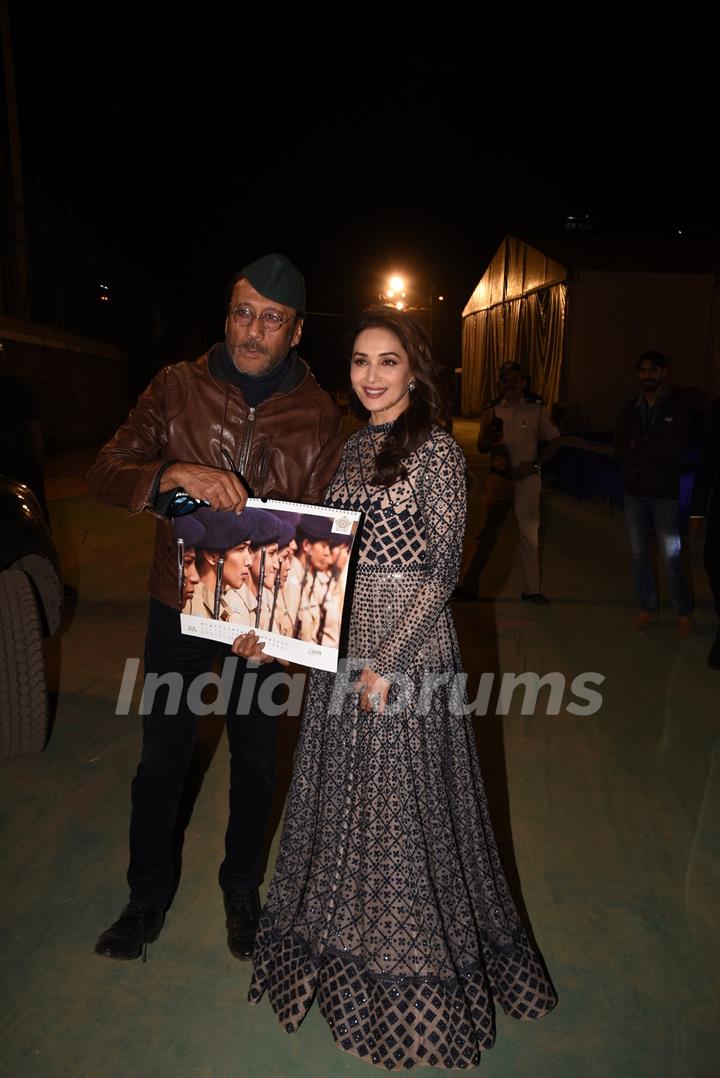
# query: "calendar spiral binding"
[343,519]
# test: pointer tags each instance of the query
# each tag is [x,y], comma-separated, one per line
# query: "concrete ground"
[609,825]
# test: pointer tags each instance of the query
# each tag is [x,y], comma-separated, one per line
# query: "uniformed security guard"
[510,432]
[526,386]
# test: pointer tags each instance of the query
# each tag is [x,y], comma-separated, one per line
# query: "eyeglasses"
[271,320]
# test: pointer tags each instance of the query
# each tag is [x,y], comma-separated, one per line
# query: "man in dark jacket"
[705,515]
[653,431]
[248,414]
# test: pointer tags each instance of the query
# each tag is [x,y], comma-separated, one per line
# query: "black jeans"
[168,741]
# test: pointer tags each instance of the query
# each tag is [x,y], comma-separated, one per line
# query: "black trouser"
[168,742]
[712,554]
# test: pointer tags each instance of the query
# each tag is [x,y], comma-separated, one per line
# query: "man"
[511,437]
[654,429]
[247,414]
[527,390]
[705,515]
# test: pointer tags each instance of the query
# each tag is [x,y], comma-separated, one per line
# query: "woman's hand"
[249,646]
[372,690]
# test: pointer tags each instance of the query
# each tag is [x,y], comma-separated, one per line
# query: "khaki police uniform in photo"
[281,620]
[525,423]
[284,620]
[200,604]
[239,606]
[291,590]
[266,604]
[309,610]
[332,607]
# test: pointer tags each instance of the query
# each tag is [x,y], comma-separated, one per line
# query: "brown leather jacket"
[288,447]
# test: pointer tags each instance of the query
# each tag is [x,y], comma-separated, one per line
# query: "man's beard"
[240,352]
[649,384]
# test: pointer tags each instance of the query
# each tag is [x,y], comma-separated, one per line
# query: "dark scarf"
[257,388]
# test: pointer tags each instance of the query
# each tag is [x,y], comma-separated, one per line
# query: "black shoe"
[243,914]
[129,936]
[713,659]
[535,597]
[464,594]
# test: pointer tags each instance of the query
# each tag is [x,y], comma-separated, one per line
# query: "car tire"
[23,682]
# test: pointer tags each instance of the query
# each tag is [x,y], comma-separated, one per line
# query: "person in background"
[654,429]
[510,432]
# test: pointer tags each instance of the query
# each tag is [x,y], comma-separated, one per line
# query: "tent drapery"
[529,331]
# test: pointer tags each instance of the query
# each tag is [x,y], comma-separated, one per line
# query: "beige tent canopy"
[576,311]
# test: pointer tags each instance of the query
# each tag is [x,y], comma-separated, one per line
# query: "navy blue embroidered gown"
[389,905]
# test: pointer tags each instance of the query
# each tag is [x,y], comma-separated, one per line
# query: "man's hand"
[371,684]
[696,527]
[221,488]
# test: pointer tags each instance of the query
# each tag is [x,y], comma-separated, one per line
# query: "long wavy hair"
[427,405]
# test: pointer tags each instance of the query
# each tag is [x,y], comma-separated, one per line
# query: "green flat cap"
[275,277]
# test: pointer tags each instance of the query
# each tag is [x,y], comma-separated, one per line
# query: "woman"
[388,900]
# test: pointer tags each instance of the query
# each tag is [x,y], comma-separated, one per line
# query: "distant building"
[577,310]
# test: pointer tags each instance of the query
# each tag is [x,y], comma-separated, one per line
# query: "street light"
[397,294]
[394,294]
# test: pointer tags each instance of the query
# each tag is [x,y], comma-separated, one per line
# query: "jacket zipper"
[249,428]
[246,442]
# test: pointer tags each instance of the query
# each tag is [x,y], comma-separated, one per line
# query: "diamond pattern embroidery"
[389,904]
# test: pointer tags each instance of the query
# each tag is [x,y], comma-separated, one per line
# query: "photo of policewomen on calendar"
[279,568]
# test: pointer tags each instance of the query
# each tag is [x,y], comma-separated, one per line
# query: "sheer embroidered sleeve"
[441,491]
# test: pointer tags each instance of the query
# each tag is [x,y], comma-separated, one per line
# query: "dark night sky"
[188,148]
